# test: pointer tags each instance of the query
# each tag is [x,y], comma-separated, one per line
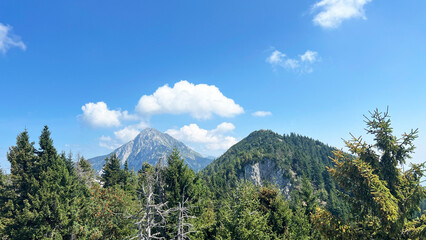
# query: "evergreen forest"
[322,192]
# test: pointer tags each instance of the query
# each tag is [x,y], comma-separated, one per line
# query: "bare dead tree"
[152,213]
[184,228]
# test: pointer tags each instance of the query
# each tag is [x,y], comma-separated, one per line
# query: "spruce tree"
[112,174]
[85,172]
[383,196]
[179,180]
[25,184]
[43,190]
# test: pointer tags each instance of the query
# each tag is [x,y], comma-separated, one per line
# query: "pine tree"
[112,174]
[248,221]
[277,209]
[179,180]
[6,214]
[85,172]
[24,184]
[382,196]
[43,190]
[103,214]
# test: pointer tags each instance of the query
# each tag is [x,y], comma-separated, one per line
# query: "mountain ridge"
[149,146]
[265,157]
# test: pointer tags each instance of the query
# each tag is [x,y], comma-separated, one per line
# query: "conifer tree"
[6,215]
[112,174]
[24,184]
[43,190]
[248,221]
[85,172]
[383,196]
[179,180]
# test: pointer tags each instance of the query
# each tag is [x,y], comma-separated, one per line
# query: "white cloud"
[130,132]
[126,116]
[105,138]
[333,12]
[8,40]
[261,114]
[108,142]
[276,57]
[122,136]
[309,56]
[302,64]
[212,139]
[224,127]
[291,63]
[200,101]
[98,115]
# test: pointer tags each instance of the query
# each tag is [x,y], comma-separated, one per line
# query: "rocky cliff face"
[149,146]
[266,171]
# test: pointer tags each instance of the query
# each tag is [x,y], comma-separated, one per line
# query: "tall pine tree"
[383,196]
[43,190]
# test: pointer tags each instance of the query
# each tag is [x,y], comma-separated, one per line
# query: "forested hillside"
[294,157]
[268,186]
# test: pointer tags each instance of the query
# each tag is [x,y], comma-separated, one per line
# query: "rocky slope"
[149,146]
[265,157]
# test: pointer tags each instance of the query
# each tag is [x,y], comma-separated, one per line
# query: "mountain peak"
[149,146]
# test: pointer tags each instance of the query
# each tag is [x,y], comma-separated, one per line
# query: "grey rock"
[149,146]
[266,171]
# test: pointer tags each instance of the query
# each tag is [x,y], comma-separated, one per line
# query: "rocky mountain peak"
[149,146]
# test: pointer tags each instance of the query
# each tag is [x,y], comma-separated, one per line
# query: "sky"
[208,72]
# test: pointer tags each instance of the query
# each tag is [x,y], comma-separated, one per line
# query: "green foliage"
[297,157]
[103,214]
[84,172]
[42,191]
[179,180]
[112,174]
[383,197]
[48,196]
[248,220]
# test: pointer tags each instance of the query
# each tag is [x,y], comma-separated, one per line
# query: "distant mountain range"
[149,146]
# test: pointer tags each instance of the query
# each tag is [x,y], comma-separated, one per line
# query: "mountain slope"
[265,157]
[149,146]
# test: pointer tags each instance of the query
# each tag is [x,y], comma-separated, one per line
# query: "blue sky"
[208,72]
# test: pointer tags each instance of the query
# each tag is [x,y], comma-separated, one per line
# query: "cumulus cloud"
[301,64]
[201,101]
[108,142]
[122,136]
[130,132]
[9,40]
[333,12]
[214,139]
[98,115]
[261,114]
